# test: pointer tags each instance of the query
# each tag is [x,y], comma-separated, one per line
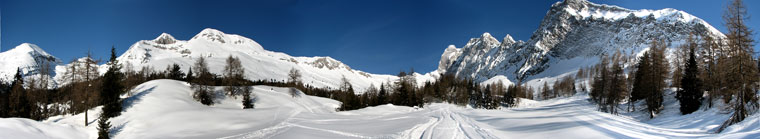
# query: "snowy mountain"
[573,34]
[30,58]
[259,63]
[216,46]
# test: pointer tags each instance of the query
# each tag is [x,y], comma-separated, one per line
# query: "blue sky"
[377,36]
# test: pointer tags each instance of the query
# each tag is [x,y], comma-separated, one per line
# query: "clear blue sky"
[378,36]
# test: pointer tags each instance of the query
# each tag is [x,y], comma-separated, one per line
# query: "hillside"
[165,109]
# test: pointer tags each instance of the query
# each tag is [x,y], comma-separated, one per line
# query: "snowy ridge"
[260,64]
[571,29]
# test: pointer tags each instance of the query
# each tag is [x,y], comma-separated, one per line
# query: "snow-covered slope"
[166,109]
[572,31]
[260,64]
[30,58]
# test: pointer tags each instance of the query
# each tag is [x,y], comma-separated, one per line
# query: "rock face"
[165,38]
[571,30]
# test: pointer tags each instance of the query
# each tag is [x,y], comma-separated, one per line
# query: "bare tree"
[202,82]
[234,75]
[294,76]
[741,77]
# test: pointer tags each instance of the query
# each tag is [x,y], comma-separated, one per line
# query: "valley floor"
[165,109]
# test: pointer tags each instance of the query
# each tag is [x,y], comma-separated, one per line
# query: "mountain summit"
[572,34]
[28,57]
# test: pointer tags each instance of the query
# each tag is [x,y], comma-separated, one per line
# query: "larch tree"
[618,85]
[201,84]
[657,77]
[234,76]
[294,76]
[742,74]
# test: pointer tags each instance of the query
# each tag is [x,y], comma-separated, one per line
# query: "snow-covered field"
[165,109]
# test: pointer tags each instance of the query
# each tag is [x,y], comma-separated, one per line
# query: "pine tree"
[175,72]
[189,76]
[112,88]
[690,95]
[104,127]
[247,103]
[382,95]
[20,106]
[640,82]
[510,96]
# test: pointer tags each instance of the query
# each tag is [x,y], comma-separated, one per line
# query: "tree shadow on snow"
[129,102]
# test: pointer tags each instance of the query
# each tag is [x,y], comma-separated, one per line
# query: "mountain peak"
[29,48]
[507,40]
[212,35]
[211,31]
[486,35]
[165,38]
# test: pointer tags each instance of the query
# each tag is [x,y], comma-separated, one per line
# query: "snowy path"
[572,118]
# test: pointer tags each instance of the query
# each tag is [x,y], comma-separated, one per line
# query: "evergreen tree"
[640,82]
[189,76]
[247,103]
[4,99]
[690,95]
[382,95]
[111,88]
[401,94]
[104,127]
[175,72]
[19,105]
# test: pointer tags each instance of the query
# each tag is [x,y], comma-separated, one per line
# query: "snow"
[26,128]
[165,109]
[504,80]
[27,57]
